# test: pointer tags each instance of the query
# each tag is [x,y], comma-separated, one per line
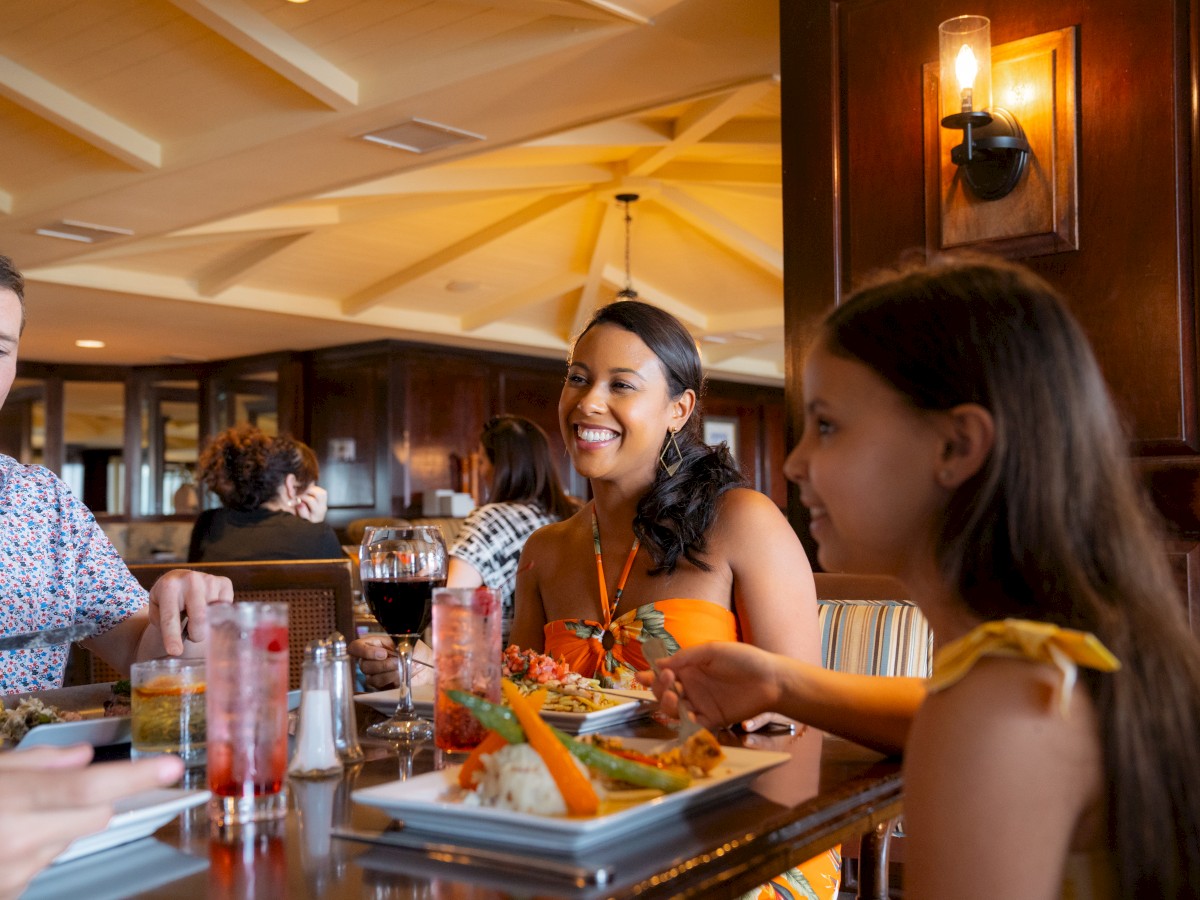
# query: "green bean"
[504,721]
[626,770]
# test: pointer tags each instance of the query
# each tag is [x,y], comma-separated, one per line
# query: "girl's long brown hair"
[1055,527]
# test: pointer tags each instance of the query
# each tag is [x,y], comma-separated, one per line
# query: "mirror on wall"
[249,397]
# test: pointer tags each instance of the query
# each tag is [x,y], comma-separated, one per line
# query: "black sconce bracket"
[993,153]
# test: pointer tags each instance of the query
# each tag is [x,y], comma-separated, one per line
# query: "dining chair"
[870,627]
[318,593]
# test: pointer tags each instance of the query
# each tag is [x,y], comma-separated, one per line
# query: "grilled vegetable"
[626,770]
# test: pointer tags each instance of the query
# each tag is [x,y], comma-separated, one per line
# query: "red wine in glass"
[401,605]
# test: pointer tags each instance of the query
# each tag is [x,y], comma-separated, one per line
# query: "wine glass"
[400,566]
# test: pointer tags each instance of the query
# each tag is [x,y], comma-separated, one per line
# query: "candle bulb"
[966,68]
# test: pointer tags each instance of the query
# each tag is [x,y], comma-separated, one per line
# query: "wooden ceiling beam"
[236,267]
[745,320]
[255,35]
[653,294]
[94,126]
[722,173]
[699,121]
[514,303]
[478,178]
[374,294]
[709,221]
[601,239]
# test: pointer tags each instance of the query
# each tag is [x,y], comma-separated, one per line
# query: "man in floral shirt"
[57,567]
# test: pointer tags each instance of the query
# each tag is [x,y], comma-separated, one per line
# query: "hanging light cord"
[627,293]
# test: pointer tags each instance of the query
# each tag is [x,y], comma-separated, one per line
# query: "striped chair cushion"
[875,637]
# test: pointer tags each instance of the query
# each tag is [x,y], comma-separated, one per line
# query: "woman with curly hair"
[272,506]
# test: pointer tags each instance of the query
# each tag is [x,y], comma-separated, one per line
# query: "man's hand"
[183,592]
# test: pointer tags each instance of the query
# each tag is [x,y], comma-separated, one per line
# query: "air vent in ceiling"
[421,136]
[83,232]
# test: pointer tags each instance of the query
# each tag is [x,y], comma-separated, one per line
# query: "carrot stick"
[491,742]
[574,785]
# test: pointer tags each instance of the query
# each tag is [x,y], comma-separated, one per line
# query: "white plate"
[432,804]
[97,732]
[570,722]
[135,817]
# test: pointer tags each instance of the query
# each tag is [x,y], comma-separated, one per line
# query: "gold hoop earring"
[671,467]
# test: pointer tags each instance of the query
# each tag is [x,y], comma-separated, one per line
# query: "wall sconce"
[1011,185]
[993,152]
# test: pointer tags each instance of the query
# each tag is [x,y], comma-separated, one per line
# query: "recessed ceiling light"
[90,344]
[421,136]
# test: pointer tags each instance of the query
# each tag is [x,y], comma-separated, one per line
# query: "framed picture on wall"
[720,429]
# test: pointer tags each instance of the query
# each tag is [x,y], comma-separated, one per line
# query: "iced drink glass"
[247,711]
[167,699]
[466,657]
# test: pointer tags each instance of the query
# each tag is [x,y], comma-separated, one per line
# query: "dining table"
[827,791]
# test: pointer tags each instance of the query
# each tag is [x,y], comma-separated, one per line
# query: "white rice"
[516,778]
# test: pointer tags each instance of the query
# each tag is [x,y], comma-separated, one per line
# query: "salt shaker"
[345,724]
[316,756]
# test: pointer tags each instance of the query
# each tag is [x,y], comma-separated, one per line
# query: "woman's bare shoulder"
[743,506]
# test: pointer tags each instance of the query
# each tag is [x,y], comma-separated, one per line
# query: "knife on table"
[47,637]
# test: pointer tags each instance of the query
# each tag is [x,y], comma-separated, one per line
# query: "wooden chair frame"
[319,591]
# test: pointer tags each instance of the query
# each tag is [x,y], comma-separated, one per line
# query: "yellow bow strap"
[1064,648]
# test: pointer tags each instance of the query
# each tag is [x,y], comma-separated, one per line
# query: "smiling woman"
[673,545]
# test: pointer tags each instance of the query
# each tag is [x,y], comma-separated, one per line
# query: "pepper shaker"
[316,756]
[345,723]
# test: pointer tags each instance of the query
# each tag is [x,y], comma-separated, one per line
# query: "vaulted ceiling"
[216,147]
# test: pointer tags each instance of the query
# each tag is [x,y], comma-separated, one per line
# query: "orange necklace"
[604,605]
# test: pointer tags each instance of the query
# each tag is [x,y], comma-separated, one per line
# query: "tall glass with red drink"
[466,657]
[247,711]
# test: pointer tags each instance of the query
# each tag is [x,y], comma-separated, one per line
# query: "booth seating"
[318,593]
[870,627]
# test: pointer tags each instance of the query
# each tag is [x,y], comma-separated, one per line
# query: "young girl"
[672,546]
[959,435]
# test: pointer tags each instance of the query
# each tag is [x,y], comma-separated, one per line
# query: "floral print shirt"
[56,568]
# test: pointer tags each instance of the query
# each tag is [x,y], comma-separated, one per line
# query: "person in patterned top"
[525,494]
[57,568]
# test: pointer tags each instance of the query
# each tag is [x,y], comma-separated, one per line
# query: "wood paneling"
[853,159]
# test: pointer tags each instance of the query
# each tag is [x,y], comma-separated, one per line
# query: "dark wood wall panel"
[853,188]
[1124,283]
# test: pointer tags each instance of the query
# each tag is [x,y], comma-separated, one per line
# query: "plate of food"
[521,808]
[96,714]
[574,704]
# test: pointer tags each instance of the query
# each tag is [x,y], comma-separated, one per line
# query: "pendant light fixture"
[627,292]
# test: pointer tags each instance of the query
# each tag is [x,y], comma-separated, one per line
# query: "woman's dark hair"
[244,466]
[675,514]
[523,471]
[1054,527]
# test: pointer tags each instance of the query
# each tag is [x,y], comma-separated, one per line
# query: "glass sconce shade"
[965,66]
